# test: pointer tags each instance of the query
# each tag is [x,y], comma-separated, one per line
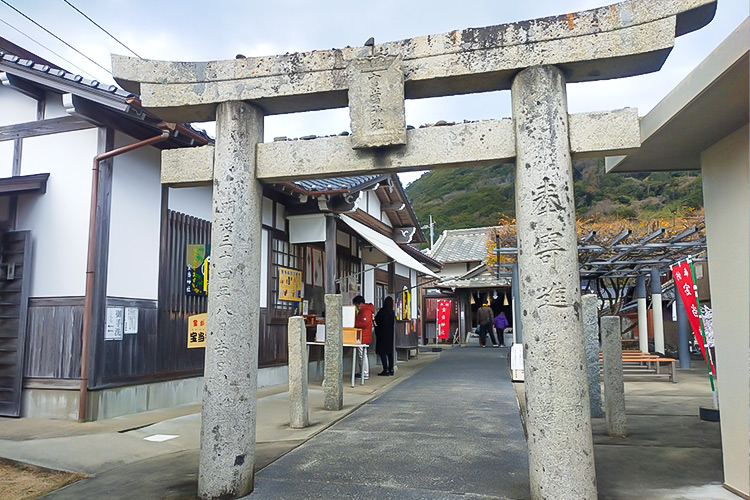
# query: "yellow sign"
[197,331]
[290,284]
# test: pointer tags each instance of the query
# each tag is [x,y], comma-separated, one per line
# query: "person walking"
[501,323]
[363,320]
[385,325]
[485,318]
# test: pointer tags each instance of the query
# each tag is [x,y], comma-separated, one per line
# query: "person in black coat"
[385,324]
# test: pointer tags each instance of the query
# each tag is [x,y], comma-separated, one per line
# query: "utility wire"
[98,26]
[57,37]
[47,48]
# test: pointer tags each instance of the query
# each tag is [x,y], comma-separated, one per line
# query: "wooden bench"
[637,363]
[406,349]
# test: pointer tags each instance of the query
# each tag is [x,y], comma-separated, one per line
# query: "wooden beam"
[43,127]
[18,184]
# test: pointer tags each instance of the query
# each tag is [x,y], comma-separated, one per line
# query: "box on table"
[320,332]
[348,314]
[352,335]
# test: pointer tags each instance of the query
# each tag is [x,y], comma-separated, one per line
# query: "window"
[283,254]
[381,292]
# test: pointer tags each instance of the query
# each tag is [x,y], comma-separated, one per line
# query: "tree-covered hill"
[477,196]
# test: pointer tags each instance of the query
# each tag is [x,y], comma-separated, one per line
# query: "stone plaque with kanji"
[376,102]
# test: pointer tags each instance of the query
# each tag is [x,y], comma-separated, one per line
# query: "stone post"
[614,386]
[227,453]
[299,415]
[590,307]
[516,303]
[683,332]
[658,314]
[561,451]
[640,293]
[333,386]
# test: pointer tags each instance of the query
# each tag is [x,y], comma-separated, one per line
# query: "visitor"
[485,318]
[385,325]
[363,320]
[501,323]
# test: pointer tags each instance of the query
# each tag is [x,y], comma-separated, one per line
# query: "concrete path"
[450,431]
[446,426]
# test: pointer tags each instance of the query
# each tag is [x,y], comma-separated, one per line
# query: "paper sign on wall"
[197,260]
[131,320]
[290,284]
[114,323]
[197,331]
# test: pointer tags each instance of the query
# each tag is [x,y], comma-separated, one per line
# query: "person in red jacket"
[363,320]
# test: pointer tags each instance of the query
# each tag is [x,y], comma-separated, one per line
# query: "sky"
[191,30]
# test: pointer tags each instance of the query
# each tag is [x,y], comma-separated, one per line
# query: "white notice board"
[131,320]
[114,323]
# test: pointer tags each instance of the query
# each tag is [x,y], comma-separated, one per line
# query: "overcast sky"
[191,30]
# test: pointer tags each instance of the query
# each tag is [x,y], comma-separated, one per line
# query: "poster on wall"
[308,266]
[196,331]
[406,303]
[197,260]
[399,306]
[443,318]
[113,330]
[131,320]
[290,284]
[318,271]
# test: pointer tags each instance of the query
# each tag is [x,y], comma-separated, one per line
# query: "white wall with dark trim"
[133,269]
[58,219]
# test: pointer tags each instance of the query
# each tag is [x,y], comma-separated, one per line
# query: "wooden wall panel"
[53,338]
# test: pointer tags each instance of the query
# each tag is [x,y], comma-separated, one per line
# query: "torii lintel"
[625,39]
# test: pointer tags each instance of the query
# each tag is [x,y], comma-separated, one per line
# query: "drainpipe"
[88,300]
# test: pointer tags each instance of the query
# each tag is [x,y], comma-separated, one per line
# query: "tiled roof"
[61,80]
[338,183]
[461,245]
[479,277]
[64,75]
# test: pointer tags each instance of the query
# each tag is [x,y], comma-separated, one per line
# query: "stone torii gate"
[535,59]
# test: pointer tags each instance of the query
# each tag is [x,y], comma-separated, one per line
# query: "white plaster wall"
[384,219]
[53,106]
[453,269]
[133,269]
[373,204]
[726,200]
[401,270]
[15,107]
[264,268]
[6,158]
[369,283]
[195,201]
[58,219]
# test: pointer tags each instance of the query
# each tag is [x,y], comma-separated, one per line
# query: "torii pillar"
[561,448]
[231,366]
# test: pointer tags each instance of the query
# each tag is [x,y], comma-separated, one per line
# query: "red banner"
[443,318]
[685,285]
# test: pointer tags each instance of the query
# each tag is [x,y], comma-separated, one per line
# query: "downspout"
[88,300]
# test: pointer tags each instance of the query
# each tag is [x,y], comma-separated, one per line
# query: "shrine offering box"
[352,335]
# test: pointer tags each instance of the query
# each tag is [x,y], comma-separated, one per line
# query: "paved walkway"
[450,431]
[446,426]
